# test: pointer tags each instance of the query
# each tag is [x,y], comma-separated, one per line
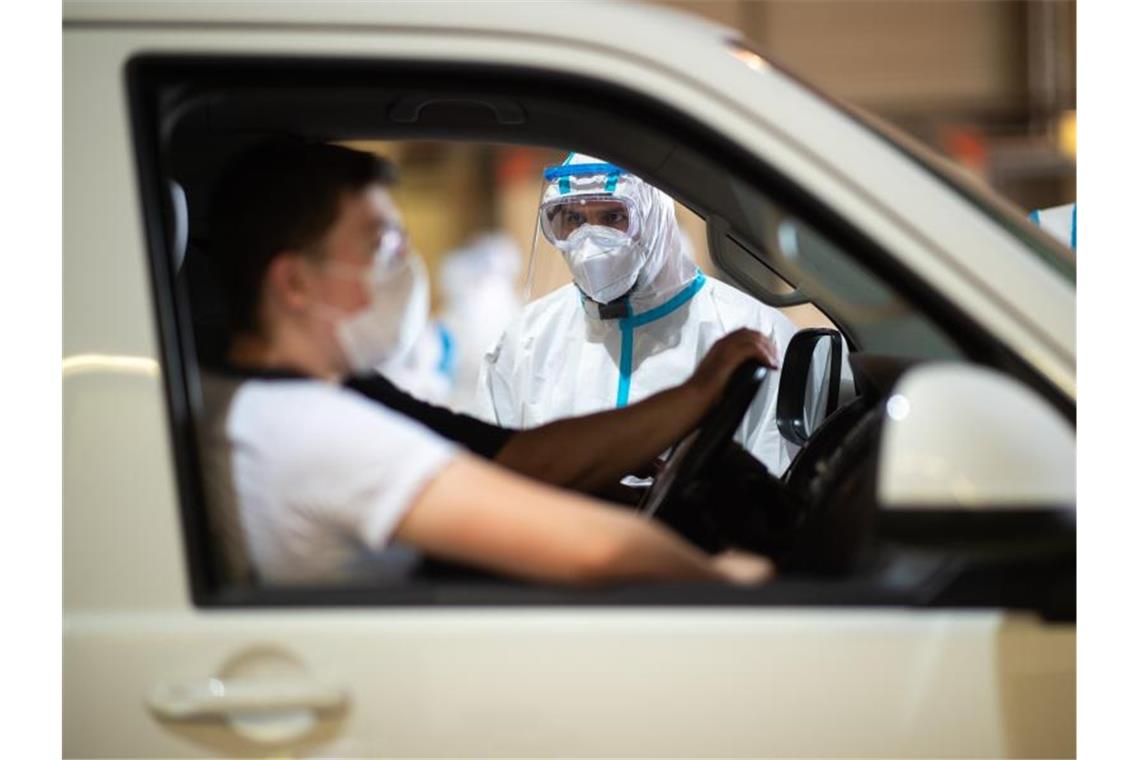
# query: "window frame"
[143,75]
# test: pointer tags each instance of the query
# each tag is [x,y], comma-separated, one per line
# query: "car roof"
[696,54]
[630,26]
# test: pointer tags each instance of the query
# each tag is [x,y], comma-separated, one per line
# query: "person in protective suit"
[638,316]
[480,299]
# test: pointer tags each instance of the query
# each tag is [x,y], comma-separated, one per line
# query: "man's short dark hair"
[280,195]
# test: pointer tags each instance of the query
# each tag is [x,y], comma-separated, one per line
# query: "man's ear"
[289,281]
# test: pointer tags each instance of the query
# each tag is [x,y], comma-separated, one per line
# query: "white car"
[937,619]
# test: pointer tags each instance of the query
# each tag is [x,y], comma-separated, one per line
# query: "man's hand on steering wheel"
[712,374]
[593,452]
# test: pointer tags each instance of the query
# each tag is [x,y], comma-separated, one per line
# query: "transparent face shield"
[579,218]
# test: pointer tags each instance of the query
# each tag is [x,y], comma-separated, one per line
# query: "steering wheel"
[687,466]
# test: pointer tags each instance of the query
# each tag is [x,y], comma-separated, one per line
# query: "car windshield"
[1059,258]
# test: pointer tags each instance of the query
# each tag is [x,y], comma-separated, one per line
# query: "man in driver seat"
[319,477]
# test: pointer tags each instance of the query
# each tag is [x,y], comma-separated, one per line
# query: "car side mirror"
[810,378]
[964,437]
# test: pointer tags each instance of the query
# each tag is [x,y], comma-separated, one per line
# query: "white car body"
[519,680]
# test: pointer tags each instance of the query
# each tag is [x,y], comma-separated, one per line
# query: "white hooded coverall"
[559,357]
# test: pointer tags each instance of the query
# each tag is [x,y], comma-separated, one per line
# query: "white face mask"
[603,261]
[392,322]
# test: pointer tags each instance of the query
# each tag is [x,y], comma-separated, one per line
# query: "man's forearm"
[478,514]
[592,452]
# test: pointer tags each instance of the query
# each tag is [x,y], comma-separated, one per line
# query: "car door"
[152,666]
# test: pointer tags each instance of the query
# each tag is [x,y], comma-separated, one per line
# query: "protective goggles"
[560,217]
[392,251]
[391,259]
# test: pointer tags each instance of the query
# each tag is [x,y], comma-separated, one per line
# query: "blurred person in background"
[638,315]
[421,361]
[478,282]
[322,476]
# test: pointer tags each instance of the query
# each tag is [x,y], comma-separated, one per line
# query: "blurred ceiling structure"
[990,83]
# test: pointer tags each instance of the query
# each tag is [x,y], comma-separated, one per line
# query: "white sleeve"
[761,433]
[492,393]
[345,461]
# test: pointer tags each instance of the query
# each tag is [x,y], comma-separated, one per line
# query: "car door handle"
[211,697]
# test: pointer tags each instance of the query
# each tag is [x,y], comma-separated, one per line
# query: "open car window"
[749,226]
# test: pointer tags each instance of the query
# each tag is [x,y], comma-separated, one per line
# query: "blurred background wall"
[988,83]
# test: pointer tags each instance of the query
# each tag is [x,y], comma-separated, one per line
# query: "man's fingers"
[730,352]
[771,355]
[743,568]
[754,345]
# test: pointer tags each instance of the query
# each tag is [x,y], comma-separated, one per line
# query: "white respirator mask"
[390,325]
[604,261]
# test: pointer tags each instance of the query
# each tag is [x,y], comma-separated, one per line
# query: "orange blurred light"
[1067,134]
[750,59]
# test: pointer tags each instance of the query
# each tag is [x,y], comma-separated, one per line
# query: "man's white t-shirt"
[322,476]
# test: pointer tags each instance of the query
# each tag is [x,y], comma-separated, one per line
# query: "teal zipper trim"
[447,351]
[626,366]
[629,324]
